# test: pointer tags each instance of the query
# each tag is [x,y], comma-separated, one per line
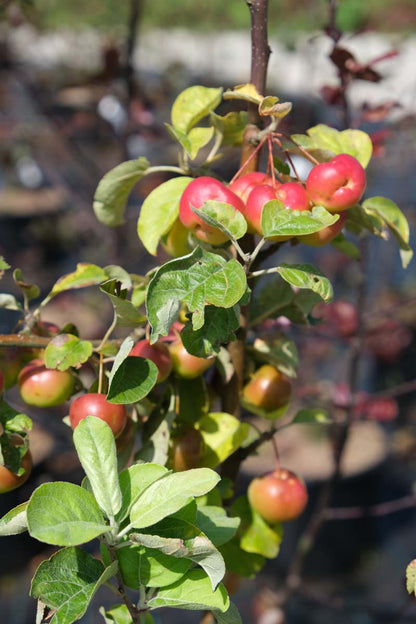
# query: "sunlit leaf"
[64,514]
[66,350]
[192,105]
[159,211]
[199,279]
[68,581]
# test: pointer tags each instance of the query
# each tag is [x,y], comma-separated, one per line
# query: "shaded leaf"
[395,221]
[127,314]
[131,377]
[112,192]
[219,327]
[30,291]
[217,526]
[230,126]
[309,416]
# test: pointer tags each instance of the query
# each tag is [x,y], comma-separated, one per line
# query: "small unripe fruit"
[268,389]
[187,449]
[185,364]
[278,496]
[96,404]
[44,387]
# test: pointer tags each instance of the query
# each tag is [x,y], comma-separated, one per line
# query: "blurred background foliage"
[304,15]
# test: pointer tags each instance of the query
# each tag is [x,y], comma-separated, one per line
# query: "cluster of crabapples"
[277,496]
[336,185]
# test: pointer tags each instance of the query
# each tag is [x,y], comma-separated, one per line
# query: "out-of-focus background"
[86,85]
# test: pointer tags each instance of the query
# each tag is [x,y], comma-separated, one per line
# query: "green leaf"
[3,265]
[230,126]
[64,514]
[14,521]
[224,217]
[354,142]
[159,211]
[276,220]
[66,350]
[14,421]
[219,327]
[231,616]
[199,279]
[112,192]
[193,592]
[68,581]
[269,299]
[198,138]
[324,143]
[193,399]
[131,377]
[345,246]
[9,302]
[395,221]
[307,276]
[309,416]
[239,561]
[256,535]
[169,494]
[85,275]
[30,291]
[271,107]
[127,314]
[281,353]
[132,380]
[217,526]
[200,550]
[359,220]
[192,105]
[134,480]
[119,614]
[411,577]
[148,567]
[96,448]
[223,434]
[120,275]
[246,92]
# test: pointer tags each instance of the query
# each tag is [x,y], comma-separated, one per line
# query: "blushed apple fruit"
[337,184]
[196,194]
[278,496]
